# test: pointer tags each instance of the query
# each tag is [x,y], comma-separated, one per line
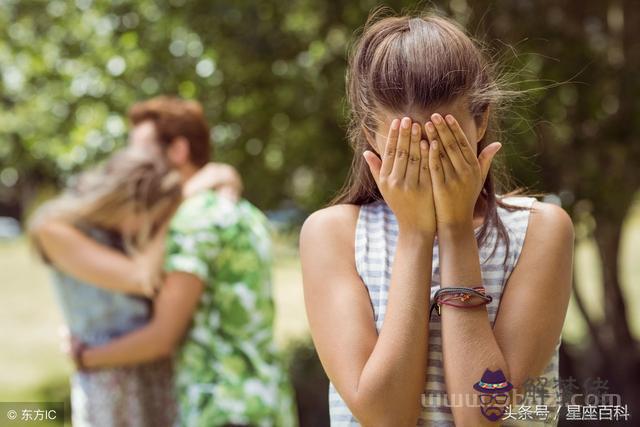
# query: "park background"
[270,75]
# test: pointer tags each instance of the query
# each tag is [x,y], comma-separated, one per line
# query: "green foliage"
[270,75]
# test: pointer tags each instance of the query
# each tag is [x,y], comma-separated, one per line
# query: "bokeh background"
[270,75]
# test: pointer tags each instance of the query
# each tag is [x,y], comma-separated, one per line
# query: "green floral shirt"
[228,369]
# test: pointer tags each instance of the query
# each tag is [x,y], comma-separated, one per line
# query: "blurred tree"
[584,149]
[271,77]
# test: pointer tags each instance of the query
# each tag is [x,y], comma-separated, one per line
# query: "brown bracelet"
[463,294]
[77,356]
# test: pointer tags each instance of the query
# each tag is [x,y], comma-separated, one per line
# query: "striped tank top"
[375,245]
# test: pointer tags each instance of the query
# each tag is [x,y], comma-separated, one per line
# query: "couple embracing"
[163,273]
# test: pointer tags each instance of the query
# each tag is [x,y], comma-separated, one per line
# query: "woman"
[419,226]
[123,204]
[215,312]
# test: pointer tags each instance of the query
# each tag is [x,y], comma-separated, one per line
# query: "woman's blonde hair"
[131,182]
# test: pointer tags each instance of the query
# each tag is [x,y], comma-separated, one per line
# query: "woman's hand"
[149,262]
[456,173]
[219,176]
[76,348]
[403,176]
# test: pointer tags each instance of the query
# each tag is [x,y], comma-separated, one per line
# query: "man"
[215,308]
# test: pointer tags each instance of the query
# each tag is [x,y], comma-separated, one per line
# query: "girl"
[122,203]
[418,223]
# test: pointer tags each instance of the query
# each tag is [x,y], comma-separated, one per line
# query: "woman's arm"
[80,256]
[536,296]
[533,307]
[380,377]
[172,314]
[221,177]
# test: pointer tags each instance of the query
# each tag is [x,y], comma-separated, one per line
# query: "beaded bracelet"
[444,296]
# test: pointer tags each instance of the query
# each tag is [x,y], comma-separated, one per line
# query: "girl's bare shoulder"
[552,218]
[550,229]
[333,226]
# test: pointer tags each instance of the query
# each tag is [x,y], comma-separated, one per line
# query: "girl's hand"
[77,347]
[403,176]
[149,262]
[219,176]
[456,173]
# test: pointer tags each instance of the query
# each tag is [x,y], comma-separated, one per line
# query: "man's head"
[175,127]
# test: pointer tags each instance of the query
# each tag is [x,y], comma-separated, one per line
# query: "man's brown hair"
[174,117]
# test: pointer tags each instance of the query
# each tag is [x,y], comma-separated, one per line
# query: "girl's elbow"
[388,415]
[519,377]
[474,420]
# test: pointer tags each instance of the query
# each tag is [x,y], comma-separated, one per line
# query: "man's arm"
[173,310]
[80,256]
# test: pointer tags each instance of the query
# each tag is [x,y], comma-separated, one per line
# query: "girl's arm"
[221,177]
[532,308]
[380,377]
[173,311]
[80,256]
[534,303]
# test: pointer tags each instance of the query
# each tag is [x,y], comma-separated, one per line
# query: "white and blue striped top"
[375,245]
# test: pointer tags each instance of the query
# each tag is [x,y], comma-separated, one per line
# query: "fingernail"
[424,145]
[406,122]
[430,127]
[415,128]
[436,118]
[450,119]
[394,124]
[434,144]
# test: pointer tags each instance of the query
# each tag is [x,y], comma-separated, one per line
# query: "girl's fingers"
[446,166]
[389,153]
[435,164]
[463,143]
[375,165]
[402,150]
[413,166]
[486,157]
[425,175]
[449,142]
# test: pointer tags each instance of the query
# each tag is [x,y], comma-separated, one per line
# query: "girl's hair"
[410,64]
[131,182]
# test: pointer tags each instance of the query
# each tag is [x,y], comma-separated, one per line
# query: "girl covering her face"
[419,225]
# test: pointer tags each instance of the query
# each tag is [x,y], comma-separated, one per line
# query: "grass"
[36,370]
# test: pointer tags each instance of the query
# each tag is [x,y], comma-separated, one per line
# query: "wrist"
[415,233]
[78,356]
[456,230]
